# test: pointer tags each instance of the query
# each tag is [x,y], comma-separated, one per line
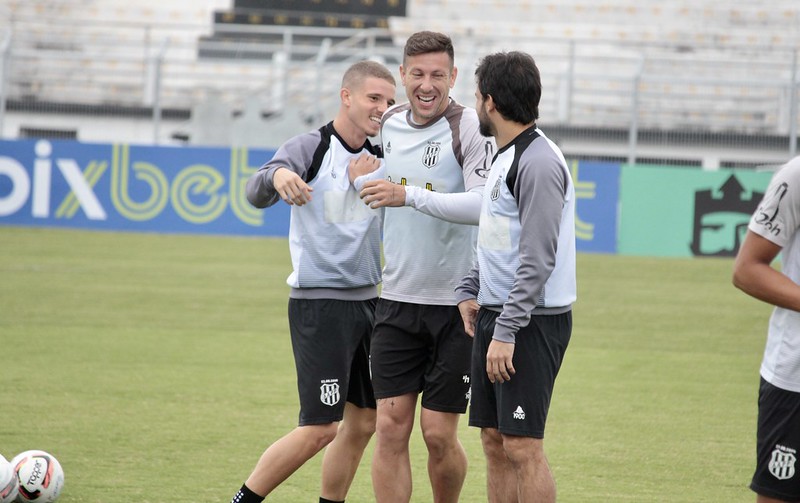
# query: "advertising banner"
[50,183]
[137,188]
[597,195]
[684,212]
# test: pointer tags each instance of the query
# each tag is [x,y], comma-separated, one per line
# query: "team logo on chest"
[430,157]
[496,189]
[329,391]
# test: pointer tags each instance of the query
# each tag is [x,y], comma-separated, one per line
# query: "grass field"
[157,368]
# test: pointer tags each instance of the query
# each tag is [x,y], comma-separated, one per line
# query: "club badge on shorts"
[782,463]
[329,392]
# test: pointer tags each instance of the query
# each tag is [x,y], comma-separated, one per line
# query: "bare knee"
[492,443]
[439,438]
[393,424]
[320,435]
[522,451]
[358,424]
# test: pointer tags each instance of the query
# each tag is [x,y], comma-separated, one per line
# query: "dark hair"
[358,72]
[424,42]
[513,81]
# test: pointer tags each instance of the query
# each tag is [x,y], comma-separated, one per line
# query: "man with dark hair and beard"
[517,299]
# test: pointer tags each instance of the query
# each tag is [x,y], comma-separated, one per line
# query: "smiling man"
[334,242]
[436,163]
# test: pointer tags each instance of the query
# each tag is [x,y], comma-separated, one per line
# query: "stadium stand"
[722,73]
[233,38]
[694,82]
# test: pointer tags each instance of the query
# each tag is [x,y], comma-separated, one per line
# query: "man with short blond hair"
[334,242]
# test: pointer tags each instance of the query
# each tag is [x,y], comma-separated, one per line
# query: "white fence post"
[158,63]
[633,132]
[5,50]
[793,108]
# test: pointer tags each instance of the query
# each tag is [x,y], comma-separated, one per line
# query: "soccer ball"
[8,482]
[39,475]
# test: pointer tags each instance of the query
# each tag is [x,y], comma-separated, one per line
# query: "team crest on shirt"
[430,157]
[496,189]
[329,392]
[782,462]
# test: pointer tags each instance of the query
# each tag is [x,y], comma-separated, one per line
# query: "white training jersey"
[425,257]
[334,239]
[778,220]
[526,243]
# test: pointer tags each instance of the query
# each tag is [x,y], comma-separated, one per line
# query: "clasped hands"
[376,193]
[293,190]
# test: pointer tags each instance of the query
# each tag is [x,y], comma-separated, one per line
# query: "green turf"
[157,369]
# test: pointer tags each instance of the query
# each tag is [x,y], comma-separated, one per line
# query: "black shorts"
[421,348]
[330,341]
[519,407]
[778,442]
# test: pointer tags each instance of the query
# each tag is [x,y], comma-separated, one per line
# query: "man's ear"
[488,102]
[344,95]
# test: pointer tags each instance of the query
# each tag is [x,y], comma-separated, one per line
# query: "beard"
[485,127]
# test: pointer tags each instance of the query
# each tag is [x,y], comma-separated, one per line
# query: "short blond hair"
[358,72]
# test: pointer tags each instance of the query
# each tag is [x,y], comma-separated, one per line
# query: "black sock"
[245,495]
[323,500]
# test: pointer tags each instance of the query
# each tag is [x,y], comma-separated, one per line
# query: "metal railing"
[726,102]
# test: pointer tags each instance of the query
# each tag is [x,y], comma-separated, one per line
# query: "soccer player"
[334,241]
[436,160]
[517,299]
[773,230]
